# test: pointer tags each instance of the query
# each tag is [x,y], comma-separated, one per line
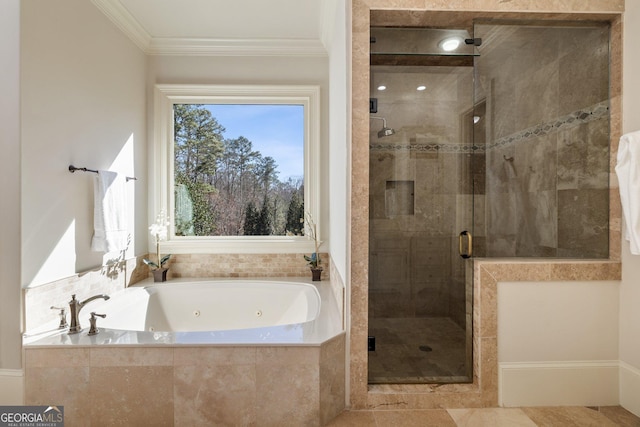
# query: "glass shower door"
[421,219]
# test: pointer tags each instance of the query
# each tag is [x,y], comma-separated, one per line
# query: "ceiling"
[224,27]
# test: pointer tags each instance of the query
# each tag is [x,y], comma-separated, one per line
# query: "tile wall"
[484,390]
[195,386]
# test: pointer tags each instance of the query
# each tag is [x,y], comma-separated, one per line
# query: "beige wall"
[558,343]
[83,103]
[10,355]
[630,286]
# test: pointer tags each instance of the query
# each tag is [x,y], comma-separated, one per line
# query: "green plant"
[159,231]
[311,231]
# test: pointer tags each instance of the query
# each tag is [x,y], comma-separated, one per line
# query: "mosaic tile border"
[427,148]
[573,119]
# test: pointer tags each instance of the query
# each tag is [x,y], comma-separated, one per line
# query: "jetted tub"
[211,306]
[163,345]
[208,311]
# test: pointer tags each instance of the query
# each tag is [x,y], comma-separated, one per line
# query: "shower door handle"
[465,253]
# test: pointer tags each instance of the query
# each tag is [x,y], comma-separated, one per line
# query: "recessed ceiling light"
[382,87]
[450,44]
[421,87]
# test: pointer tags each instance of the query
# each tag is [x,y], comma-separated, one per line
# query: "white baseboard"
[573,383]
[630,388]
[11,387]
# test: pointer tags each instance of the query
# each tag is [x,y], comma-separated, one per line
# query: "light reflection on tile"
[494,417]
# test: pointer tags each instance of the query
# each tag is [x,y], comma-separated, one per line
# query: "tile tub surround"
[190,385]
[243,265]
[105,280]
[483,391]
[194,378]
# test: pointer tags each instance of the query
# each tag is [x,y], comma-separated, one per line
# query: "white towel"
[628,171]
[109,213]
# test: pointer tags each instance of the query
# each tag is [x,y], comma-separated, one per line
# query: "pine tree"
[295,216]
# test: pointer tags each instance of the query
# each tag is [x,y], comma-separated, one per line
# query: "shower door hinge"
[371,343]
[476,42]
[373,105]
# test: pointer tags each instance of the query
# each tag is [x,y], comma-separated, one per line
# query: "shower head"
[385,131]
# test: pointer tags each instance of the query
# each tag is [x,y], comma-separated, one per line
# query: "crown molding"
[235,47]
[120,16]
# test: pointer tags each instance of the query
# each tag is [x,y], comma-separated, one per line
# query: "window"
[235,166]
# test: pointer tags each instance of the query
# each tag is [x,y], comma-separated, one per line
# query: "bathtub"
[166,351]
[211,306]
[201,311]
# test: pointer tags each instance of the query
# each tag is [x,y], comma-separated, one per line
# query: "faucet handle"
[93,330]
[63,316]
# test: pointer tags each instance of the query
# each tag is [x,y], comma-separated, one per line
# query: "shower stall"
[491,141]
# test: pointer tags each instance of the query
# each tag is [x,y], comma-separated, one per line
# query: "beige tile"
[567,417]
[288,395]
[216,395]
[66,386]
[288,355]
[208,356]
[620,416]
[353,419]
[415,418]
[332,387]
[135,396]
[494,417]
[586,271]
[137,356]
[56,357]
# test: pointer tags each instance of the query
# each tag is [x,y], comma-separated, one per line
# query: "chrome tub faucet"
[74,310]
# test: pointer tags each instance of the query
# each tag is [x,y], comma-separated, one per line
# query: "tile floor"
[417,349]
[607,416]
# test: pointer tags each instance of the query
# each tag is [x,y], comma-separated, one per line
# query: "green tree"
[204,220]
[264,226]
[198,141]
[251,217]
[295,216]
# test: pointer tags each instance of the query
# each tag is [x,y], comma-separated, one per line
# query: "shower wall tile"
[583,154]
[534,164]
[539,86]
[579,85]
[537,232]
[453,14]
[582,223]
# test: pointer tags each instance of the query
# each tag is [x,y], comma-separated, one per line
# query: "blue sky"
[275,130]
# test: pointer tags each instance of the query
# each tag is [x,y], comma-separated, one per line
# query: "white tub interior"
[211,306]
[204,311]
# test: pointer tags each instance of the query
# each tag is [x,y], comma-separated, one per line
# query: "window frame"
[161,161]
